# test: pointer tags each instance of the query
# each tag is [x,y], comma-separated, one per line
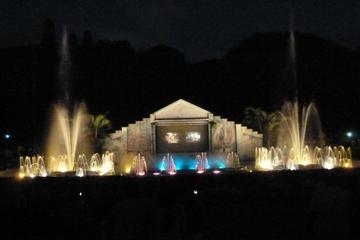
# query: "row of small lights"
[195,192]
[349,134]
[216,171]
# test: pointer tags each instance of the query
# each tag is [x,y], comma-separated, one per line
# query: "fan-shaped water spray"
[66,134]
[298,131]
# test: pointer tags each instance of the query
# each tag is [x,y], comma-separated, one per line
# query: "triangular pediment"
[181,109]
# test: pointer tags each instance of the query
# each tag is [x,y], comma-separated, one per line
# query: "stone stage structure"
[183,130]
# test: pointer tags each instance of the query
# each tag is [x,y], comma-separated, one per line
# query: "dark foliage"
[131,84]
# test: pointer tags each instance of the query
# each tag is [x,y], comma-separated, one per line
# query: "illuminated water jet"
[66,133]
[232,160]
[263,161]
[67,123]
[327,157]
[107,165]
[139,166]
[201,163]
[32,166]
[168,164]
[299,128]
[95,162]
[81,166]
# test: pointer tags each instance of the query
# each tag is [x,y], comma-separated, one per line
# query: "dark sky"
[200,29]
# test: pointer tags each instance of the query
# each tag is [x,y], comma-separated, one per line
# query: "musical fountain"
[332,157]
[66,138]
[107,164]
[95,163]
[138,166]
[81,166]
[299,140]
[232,160]
[67,127]
[35,166]
[300,135]
[32,167]
[201,163]
[65,135]
[168,164]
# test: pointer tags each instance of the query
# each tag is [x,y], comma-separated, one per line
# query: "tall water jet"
[67,127]
[292,54]
[300,128]
[64,69]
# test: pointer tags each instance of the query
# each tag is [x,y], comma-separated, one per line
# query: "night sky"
[249,38]
[200,29]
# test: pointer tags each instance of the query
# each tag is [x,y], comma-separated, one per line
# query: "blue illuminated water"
[188,162]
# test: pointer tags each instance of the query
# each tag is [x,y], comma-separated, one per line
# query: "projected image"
[172,138]
[192,137]
[178,138]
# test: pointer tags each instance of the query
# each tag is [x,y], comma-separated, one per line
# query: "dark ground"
[316,204]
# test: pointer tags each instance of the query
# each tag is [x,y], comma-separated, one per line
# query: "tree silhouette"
[87,39]
[265,123]
[48,38]
[99,123]
[48,53]
[73,41]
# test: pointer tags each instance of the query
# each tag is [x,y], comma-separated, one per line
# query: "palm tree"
[265,123]
[272,131]
[99,123]
[255,118]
